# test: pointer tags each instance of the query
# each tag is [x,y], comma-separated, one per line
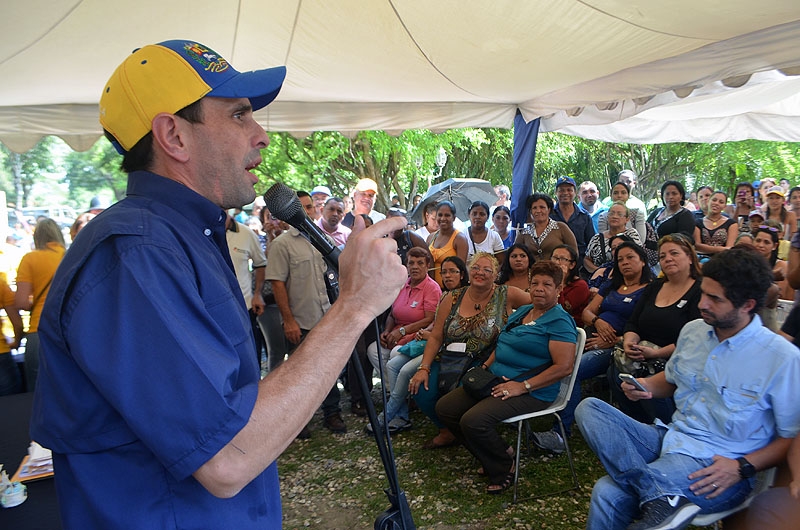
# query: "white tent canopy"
[612,69]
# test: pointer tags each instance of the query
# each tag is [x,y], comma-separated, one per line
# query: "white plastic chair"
[764,480]
[557,406]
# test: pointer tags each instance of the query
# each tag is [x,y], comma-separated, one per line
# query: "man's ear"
[170,134]
[749,304]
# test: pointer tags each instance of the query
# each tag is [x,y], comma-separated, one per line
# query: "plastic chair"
[557,406]
[764,480]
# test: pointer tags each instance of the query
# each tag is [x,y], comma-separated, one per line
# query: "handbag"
[453,357]
[646,368]
[414,348]
[478,382]
[454,361]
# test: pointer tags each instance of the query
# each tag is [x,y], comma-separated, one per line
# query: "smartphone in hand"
[628,378]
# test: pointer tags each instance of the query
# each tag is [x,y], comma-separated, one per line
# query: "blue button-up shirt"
[732,397]
[581,225]
[148,367]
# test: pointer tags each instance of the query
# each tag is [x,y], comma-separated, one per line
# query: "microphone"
[282,202]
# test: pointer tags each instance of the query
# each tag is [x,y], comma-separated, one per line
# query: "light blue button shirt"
[732,397]
[595,215]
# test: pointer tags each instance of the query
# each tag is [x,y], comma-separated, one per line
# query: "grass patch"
[337,482]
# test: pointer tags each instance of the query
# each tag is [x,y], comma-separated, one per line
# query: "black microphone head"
[282,202]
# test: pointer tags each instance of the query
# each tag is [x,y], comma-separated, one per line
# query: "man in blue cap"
[568,212]
[149,393]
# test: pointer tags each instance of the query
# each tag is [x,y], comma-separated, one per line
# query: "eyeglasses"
[561,260]
[488,272]
[770,228]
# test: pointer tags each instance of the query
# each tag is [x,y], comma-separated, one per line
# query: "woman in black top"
[653,328]
[673,218]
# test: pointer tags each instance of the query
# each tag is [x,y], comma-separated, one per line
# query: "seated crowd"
[510,307]
[684,301]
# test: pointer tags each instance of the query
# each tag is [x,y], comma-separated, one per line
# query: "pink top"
[412,303]
[339,236]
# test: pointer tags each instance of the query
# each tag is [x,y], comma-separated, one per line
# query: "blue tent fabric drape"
[525,136]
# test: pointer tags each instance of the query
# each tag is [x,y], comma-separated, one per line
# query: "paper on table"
[38,463]
[39,453]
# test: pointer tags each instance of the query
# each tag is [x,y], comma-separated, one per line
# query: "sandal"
[500,484]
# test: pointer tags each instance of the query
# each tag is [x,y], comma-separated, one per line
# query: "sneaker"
[399,425]
[549,441]
[335,424]
[368,428]
[666,513]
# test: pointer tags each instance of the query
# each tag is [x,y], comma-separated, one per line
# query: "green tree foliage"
[405,165]
[400,165]
[23,170]
[93,171]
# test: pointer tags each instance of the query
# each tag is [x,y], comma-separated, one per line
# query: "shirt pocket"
[300,269]
[744,409]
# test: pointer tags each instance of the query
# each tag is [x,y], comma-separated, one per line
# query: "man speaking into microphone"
[148,392]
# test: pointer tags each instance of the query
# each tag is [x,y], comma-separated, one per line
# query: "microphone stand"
[398,516]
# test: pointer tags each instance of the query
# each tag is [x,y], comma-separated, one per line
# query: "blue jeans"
[399,371]
[637,472]
[593,363]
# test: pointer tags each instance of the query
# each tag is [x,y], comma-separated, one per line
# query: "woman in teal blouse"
[536,336]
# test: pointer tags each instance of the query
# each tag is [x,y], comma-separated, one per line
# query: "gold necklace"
[713,222]
[626,285]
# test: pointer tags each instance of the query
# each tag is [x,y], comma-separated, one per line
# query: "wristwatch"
[746,469]
[402,331]
[527,386]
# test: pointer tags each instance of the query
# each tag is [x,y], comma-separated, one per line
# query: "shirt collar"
[744,334]
[190,204]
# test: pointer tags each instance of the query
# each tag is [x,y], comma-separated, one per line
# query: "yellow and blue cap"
[169,76]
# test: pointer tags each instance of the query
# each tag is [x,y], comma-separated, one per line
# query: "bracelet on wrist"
[595,319]
[427,369]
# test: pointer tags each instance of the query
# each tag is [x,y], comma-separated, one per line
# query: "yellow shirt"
[6,300]
[37,268]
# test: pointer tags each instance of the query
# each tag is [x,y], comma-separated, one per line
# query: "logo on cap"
[208,58]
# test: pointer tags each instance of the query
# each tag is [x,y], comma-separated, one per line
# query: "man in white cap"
[319,195]
[149,394]
[363,202]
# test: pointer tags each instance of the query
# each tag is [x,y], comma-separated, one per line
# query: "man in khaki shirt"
[297,271]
